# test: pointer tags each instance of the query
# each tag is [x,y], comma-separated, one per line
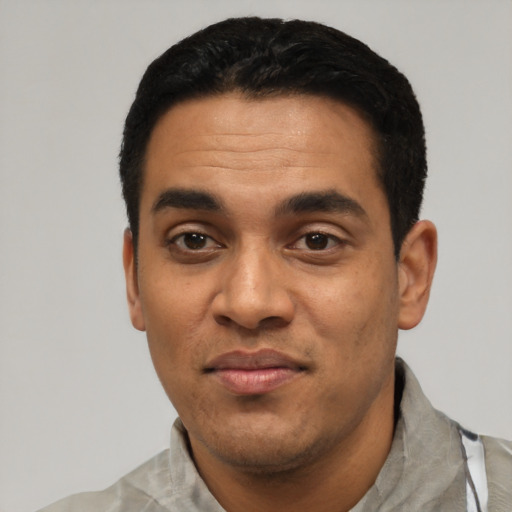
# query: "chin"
[270,460]
[267,452]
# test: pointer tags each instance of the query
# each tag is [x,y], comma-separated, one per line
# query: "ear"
[132,285]
[418,258]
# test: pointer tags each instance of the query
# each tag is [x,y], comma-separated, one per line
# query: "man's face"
[266,279]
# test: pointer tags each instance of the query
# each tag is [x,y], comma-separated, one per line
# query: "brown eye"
[316,241]
[194,241]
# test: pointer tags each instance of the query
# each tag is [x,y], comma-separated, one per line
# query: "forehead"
[298,142]
[298,116]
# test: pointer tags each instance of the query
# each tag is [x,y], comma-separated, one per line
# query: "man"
[273,175]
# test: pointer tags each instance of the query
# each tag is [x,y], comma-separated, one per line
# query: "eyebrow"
[306,202]
[188,199]
[323,201]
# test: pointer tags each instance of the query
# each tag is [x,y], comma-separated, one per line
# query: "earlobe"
[132,286]
[418,258]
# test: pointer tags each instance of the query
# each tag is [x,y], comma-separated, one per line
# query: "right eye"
[194,241]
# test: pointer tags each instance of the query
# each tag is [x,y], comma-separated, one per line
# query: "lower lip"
[255,382]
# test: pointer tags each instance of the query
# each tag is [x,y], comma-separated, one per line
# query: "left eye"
[194,241]
[317,242]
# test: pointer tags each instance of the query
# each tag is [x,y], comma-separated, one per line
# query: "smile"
[256,373]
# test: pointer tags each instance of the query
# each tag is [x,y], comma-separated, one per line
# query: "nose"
[253,293]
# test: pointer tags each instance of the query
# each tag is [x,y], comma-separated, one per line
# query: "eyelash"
[174,241]
[330,241]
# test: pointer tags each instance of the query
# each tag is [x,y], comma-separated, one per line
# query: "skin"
[322,287]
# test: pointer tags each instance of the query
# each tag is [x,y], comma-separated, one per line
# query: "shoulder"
[168,481]
[498,462]
[139,490]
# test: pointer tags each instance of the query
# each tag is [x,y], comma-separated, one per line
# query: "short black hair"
[267,57]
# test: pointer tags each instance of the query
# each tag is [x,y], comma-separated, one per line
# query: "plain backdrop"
[80,403]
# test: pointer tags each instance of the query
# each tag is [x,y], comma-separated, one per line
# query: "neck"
[336,481]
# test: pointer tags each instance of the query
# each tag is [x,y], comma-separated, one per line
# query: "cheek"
[355,309]
[172,302]
[174,312]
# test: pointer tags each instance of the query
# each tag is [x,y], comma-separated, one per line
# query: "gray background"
[80,404]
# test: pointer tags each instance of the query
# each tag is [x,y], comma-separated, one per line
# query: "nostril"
[273,322]
[270,322]
[223,320]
